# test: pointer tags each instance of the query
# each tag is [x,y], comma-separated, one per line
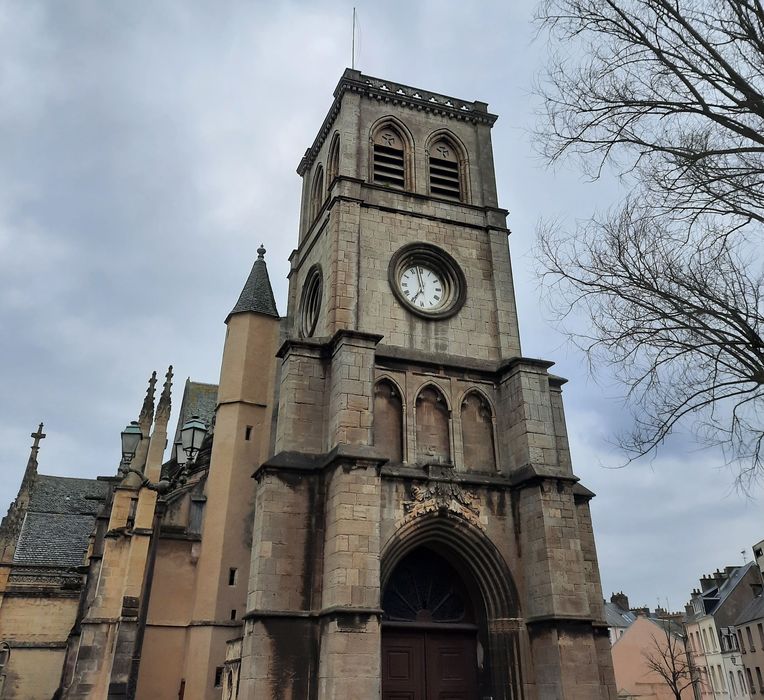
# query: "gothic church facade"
[386,508]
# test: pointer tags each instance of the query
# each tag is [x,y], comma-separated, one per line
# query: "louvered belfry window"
[444,171]
[389,159]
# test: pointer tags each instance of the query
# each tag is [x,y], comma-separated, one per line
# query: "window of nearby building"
[741,682]
[712,676]
[722,682]
[751,686]
[750,638]
[761,635]
[732,684]
[740,640]
[233,575]
[706,644]
[218,676]
[759,680]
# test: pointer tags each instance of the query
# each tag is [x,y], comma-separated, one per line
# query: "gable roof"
[53,539]
[714,597]
[59,520]
[753,611]
[616,617]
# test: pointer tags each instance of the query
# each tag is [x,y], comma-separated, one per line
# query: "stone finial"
[261,252]
[39,435]
[164,405]
[147,410]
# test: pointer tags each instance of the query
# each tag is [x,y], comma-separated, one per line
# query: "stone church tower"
[414,529]
[418,529]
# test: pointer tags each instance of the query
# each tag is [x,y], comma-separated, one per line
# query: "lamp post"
[131,437]
[192,435]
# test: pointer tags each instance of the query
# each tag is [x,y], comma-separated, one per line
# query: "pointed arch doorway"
[429,632]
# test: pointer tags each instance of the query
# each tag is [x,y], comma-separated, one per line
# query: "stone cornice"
[398,94]
[334,611]
[301,462]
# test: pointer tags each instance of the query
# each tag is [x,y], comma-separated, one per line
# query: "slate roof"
[615,617]
[257,295]
[198,400]
[53,539]
[753,611]
[714,597]
[60,494]
[59,520]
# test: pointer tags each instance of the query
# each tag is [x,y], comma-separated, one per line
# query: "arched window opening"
[388,420]
[389,158]
[317,193]
[333,163]
[477,434]
[433,443]
[424,587]
[445,178]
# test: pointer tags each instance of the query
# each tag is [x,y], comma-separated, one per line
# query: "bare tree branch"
[671,282]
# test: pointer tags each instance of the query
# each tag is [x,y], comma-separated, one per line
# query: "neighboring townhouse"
[662,641]
[713,644]
[749,632]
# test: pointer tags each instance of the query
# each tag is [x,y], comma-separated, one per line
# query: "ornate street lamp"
[131,438]
[192,435]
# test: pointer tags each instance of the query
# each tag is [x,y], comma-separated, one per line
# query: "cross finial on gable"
[39,435]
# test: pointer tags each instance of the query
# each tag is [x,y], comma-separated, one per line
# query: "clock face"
[422,287]
[427,281]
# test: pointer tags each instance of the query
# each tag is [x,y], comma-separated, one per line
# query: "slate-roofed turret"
[257,295]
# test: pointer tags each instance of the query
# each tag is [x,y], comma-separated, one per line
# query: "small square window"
[248,432]
[233,614]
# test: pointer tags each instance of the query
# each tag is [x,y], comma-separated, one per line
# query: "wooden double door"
[429,664]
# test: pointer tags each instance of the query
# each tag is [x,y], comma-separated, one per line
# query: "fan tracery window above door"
[426,588]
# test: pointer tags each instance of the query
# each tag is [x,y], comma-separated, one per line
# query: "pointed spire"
[147,410]
[164,405]
[257,295]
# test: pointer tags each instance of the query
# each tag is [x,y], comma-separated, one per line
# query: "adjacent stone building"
[414,527]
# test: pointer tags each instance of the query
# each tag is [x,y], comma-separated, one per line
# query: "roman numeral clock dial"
[422,287]
[427,281]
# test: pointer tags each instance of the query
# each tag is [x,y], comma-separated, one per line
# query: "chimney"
[620,599]
[707,583]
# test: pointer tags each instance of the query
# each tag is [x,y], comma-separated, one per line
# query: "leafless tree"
[670,93]
[667,657]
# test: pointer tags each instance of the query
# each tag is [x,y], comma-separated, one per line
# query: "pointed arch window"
[389,158]
[433,440]
[388,420]
[333,162]
[317,193]
[477,434]
[445,170]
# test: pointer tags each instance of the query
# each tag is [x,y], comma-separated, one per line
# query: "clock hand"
[419,278]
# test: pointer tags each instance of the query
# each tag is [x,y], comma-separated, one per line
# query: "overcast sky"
[147,148]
